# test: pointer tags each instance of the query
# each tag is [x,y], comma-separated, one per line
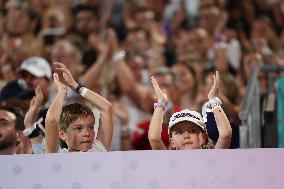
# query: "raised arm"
[126,81]
[34,109]
[155,127]
[32,114]
[93,74]
[222,122]
[53,116]
[105,131]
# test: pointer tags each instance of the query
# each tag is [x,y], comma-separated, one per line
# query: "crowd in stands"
[75,75]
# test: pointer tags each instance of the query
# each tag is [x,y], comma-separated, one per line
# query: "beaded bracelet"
[213,106]
[214,102]
[161,105]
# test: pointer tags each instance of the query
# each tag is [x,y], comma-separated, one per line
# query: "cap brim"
[33,72]
[203,128]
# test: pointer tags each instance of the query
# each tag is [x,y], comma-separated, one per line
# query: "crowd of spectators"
[113,47]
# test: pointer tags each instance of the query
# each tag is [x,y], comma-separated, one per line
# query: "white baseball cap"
[37,66]
[187,115]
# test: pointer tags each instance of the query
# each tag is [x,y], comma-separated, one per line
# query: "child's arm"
[222,122]
[155,127]
[105,131]
[53,117]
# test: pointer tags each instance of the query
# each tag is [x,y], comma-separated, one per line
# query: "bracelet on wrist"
[79,87]
[118,56]
[83,91]
[214,101]
[210,106]
[162,105]
[214,106]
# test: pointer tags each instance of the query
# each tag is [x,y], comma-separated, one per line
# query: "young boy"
[74,123]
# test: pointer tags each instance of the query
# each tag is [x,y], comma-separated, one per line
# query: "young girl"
[74,123]
[187,129]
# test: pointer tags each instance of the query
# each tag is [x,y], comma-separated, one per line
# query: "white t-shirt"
[96,147]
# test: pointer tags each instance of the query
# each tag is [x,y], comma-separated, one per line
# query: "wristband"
[209,106]
[214,102]
[161,105]
[118,56]
[30,131]
[78,88]
[83,91]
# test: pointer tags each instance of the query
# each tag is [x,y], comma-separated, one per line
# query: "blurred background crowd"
[181,42]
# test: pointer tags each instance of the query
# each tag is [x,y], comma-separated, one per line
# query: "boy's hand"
[58,85]
[67,76]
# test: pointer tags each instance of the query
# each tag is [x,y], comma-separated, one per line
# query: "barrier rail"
[197,169]
[251,114]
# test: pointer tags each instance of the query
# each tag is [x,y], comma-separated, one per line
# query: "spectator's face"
[15,49]
[186,136]
[208,19]
[143,19]
[259,28]
[66,55]
[198,41]
[17,21]
[185,79]
[86,22]
[8,132]
[249,62]
[178,18]
[33,82]
[80,134]
[181,40]
[138,42]
[137,65]
[166,83]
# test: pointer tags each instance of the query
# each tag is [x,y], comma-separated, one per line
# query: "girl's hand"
[67,76]
[215,88]
[58,85]
[160,95]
